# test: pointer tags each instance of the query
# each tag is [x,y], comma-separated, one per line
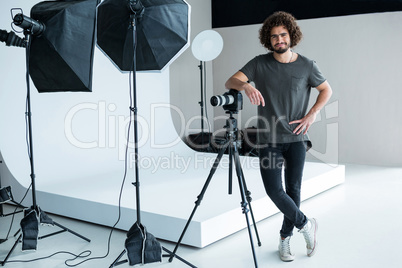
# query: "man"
[283,80]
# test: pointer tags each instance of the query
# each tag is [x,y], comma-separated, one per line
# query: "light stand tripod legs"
[118,262]
[11,251]
[177,256]
[64,229]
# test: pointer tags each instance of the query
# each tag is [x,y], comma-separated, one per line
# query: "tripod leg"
[116,262]
[178,257]
[230,170]
[11,250]
[248,197]
[199,198]
[71,231]
[244,201]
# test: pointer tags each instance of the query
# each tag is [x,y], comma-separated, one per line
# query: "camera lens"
[224,99]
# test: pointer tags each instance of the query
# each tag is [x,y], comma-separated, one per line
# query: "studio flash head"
[34,27]
[232,101]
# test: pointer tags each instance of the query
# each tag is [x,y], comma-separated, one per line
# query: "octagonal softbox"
[162,33]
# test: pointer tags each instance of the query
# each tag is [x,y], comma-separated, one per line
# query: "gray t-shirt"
[286,90]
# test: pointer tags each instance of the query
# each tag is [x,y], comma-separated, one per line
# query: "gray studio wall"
[360,56]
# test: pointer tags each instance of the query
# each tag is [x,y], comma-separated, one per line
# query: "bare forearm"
[239,81]
[235,83]
[322,99]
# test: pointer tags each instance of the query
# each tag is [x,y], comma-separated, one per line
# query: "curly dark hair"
[280,18]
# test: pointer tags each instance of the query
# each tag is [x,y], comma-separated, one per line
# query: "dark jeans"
[292,156]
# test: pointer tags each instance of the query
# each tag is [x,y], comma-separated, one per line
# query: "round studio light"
[207,45]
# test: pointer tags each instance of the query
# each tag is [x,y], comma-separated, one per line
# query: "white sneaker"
[309,232]
[284,249]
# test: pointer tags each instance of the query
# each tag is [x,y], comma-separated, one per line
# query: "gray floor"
[359,226]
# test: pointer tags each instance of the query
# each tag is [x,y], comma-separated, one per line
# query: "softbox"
[61,58]
[162,33]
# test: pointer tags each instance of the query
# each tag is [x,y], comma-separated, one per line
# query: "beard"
[282,50]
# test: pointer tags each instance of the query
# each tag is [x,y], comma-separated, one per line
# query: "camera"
[231,101]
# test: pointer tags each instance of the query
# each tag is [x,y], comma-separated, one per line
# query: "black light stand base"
[63,230]
[117,262]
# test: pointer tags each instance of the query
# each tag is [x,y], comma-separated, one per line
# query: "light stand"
[40,215]
[206,46]
[142,36]
[232,145]
[199,140]
[202,89]
[137,11]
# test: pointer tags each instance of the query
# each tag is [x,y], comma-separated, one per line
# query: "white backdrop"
[79,134]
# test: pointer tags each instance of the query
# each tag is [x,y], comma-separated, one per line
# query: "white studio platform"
[79,151]
[168,197]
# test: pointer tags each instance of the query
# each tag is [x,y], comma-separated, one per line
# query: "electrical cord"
[81,255]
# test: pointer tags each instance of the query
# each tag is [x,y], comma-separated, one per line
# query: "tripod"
[34,215]
[232,145]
